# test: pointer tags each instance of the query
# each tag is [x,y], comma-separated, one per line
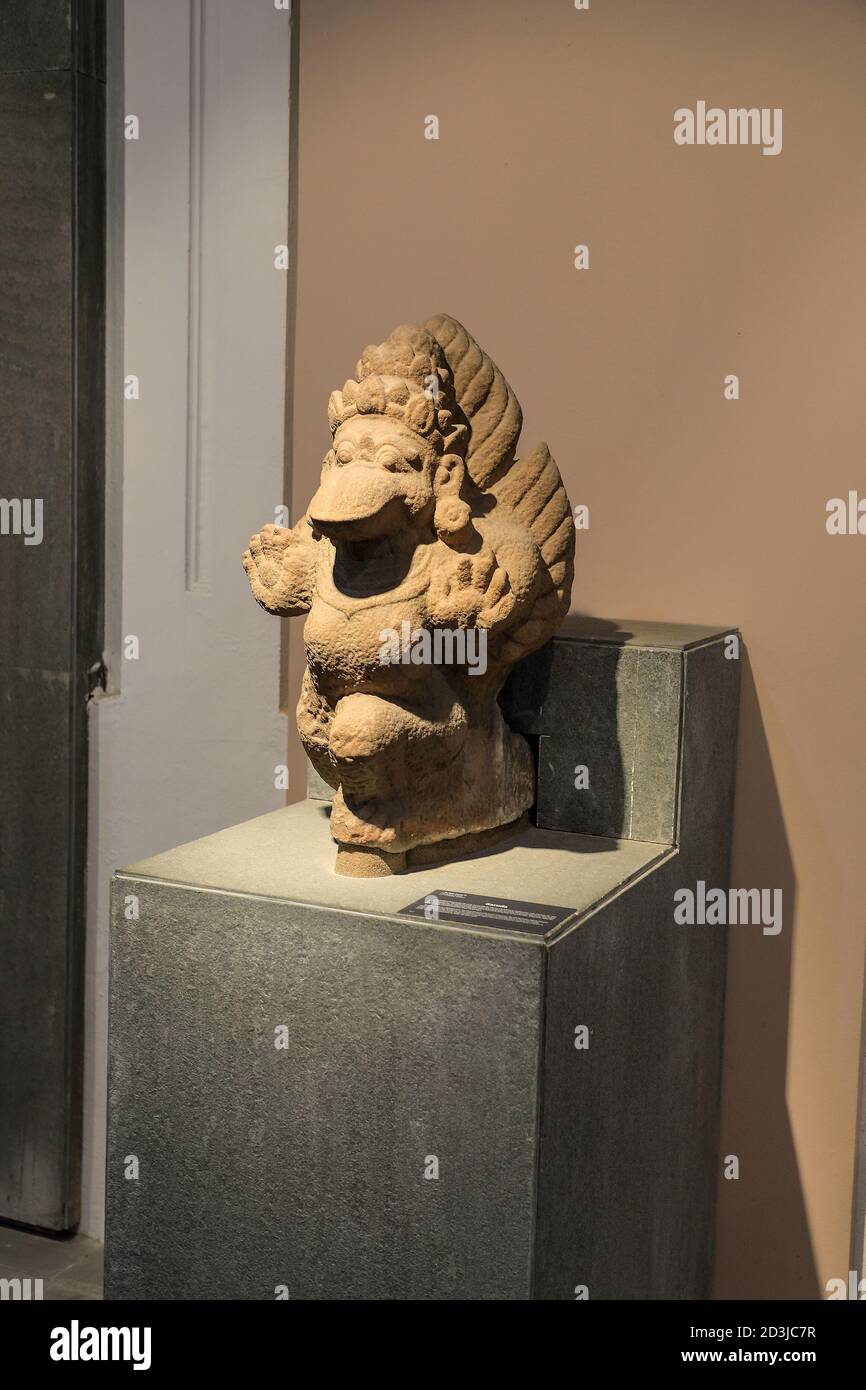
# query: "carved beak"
[358,502]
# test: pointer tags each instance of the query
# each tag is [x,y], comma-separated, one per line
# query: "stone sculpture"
[429,561]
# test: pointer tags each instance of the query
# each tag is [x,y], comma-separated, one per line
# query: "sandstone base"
[355,861]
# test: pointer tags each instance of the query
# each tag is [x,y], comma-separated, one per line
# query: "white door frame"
[189,736]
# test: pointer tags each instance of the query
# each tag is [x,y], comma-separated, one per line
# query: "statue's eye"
[391,458]
[345,454]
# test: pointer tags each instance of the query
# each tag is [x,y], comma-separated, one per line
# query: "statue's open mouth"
[357,502]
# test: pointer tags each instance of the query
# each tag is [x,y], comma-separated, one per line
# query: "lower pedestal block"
[314,1094]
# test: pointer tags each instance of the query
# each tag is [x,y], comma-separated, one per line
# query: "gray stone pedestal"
[314,1093]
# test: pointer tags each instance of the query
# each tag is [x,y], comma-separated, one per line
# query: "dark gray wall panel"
[35,34]
[89,343]
[40,1020]
[52,368]
[89,40]
[36,360]
[46,35]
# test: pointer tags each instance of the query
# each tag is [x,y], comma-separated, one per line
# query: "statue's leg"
[387,754]
[420,771]
[490,785]
[315,716]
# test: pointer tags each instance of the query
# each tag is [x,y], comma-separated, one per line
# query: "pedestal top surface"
[289,854]
[638,632]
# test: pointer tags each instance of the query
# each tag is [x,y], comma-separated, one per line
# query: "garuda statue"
[430,560]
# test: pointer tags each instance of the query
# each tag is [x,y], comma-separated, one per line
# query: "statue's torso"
[351,618]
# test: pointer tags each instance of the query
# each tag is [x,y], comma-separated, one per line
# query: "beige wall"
[557,128]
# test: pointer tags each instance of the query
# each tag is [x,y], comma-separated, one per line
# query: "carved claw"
[277,570]
[475,593]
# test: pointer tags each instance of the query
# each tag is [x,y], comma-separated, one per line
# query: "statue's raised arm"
[281,568]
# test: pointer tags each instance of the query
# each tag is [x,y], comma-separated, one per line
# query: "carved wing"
[484,396]
[530,489]
[533,492]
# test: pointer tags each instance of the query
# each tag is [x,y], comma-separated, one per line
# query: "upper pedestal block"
[606,697]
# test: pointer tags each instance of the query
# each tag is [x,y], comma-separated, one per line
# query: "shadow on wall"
[763,1245]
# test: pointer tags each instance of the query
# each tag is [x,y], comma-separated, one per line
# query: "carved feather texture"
[533,492]
[529,488]
[485,398]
